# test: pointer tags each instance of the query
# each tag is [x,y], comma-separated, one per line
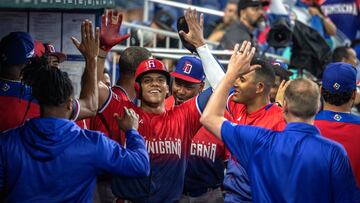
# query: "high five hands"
[195,36]
[110,27]
[89,45]
[240,60]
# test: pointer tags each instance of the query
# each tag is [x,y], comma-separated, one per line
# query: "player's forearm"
[213,115]
[101,64]
[213,71]
[89,90]
[138,159]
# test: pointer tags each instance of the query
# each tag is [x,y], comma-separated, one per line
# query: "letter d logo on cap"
[187,67]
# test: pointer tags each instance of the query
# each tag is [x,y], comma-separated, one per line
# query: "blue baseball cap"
[190,69]
[339,77]
[16,48]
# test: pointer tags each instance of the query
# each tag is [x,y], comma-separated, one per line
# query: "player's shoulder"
[169,103]
[14,88]
[274,110]
[120,93]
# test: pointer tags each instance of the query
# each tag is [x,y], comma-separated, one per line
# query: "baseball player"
[248,103]
[335,121]
[50,159]
[205,169]
[294,165]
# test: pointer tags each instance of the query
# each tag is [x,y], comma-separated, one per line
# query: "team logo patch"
[5,87]
[30,54]
[151,64]
[336,86]
[337,117]
[187,67]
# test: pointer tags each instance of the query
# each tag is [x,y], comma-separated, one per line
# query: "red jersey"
[205,168]
[343,128]
[109,126]
[169,102]
[168,138]
[84,123]
[17,104]
[269,116]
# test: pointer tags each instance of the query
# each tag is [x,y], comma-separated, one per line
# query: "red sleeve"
[114,104]
[105,121]
[84,123]
[234,108]
[230,104]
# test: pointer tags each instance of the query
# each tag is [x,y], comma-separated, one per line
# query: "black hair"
[50,85]
[340,53]
[130,59]
[264,74]
[336,99]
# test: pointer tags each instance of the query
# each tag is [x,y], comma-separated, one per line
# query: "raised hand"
[89,45]
[195,36]
[110,27]
[129,120]
[281,91]
[239,63]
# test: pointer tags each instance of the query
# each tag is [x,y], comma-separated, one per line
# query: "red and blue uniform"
[168,138]
[343,128]
[236,181]
[17,104]
[205,169]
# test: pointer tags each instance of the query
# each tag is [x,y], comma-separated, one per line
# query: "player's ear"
[260,86]
[69,105]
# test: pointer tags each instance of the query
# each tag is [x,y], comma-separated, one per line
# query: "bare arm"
[213,115]
[213,71]
[109,37]
[89,48]
[329,26]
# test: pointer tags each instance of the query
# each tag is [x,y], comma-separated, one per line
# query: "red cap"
[151,65]
[50,50]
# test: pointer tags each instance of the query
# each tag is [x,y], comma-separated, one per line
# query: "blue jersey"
[53,160]
[295,165]
[236,182]
[344,14]
[17,104]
